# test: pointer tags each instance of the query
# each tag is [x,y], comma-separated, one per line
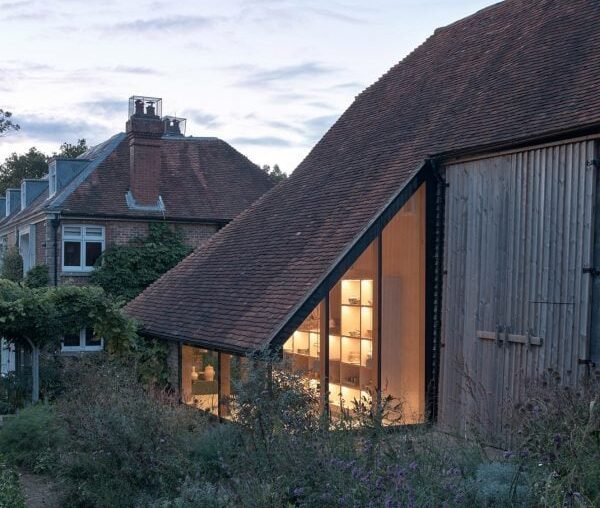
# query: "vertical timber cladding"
[517,292]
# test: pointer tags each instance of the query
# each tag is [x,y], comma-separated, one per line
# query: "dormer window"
[52,179]
[23,195]
[82,246]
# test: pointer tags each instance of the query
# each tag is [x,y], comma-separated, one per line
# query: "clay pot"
[209,373]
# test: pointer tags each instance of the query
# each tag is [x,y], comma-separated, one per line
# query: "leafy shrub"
[500,484]
[558,441]
[127,445]
[37,277]
[11,495]
[32,438]
[12,265]
[282,452]
[15,389]
[125,271]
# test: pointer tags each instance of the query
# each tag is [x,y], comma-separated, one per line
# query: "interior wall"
[403,308]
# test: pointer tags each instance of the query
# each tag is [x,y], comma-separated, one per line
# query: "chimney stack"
[144,130]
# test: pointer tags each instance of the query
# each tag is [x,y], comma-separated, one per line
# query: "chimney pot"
[139,107]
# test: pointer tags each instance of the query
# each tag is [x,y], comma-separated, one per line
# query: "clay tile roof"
[519,70]
[201,178]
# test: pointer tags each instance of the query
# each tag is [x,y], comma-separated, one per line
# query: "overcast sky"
[268,76]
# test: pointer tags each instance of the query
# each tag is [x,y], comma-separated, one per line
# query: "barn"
[440,244]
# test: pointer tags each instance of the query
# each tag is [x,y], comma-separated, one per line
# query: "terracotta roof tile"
[517,70]
[201,178]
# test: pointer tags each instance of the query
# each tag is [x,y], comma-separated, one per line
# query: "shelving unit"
[351,345]
[303,348]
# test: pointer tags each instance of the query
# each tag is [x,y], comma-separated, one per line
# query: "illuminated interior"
[199,378]
[368,324]
[373,333]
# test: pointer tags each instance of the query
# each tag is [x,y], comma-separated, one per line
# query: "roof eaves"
[352,252]
[102,153]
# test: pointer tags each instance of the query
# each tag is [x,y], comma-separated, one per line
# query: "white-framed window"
[85,340]
[81,247]
[52,180]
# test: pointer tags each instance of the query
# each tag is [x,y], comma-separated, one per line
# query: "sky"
[268,76]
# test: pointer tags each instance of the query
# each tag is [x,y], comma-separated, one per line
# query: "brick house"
[111,193]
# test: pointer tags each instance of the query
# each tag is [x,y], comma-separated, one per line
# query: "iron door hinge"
[593,162]
[592,271]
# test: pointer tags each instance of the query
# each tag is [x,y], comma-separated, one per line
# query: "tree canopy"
[274,173]
[33,164]
[6,124]
[42,316]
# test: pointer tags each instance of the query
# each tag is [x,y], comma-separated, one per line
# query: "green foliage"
[15,389]
[71,151]
[275,174]
[6,124]
[500,484]
[37,277]
[44,315]
[149,357]
[32,164]
[127,445]
[125,271]
[12,265]
[284,453]
[11,495]
[33,438]
[558,431]
[27,315]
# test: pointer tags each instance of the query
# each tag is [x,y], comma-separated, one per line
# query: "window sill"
[79,352]
[76,274]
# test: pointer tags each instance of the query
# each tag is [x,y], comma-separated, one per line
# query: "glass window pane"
[72,231]
[90,339]
[234,370]
[199,383]
[303,349]
[403,309]
[93,231]
[72,253]
[72,340]
[92,252]
[352,337]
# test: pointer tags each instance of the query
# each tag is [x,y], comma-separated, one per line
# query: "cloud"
[132,69]
[337,15]
[263,77]
[262,141]
[164,24]
[317,126]
[202,118]
[8,6]
[348,86]
[58,129]
[291,127]
[107,107]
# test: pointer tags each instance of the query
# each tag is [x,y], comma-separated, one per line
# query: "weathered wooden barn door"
[517,287]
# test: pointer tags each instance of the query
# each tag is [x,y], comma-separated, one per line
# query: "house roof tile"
[519,70]
[201,179]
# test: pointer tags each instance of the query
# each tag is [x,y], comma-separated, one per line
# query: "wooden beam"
[510,337]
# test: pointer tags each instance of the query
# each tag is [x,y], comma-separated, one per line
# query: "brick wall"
[121,233]
[40,242]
